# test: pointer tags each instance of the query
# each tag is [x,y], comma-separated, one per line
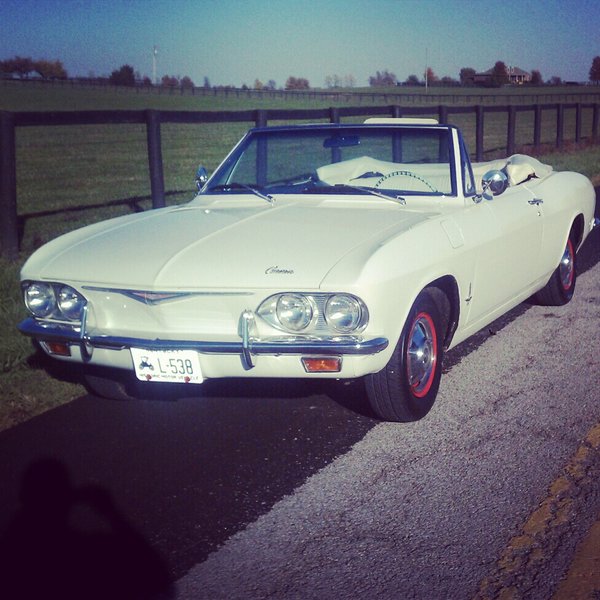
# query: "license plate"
[175,366]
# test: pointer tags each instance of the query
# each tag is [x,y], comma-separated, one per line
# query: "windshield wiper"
[373,192]
[234,185]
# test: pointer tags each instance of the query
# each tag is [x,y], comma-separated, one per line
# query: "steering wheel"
[426,185]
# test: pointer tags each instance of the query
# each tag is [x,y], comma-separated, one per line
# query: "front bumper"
[247,348]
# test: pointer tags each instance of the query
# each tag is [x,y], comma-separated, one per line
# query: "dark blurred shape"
[43,554]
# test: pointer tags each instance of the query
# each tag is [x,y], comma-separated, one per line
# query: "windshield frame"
[344,132]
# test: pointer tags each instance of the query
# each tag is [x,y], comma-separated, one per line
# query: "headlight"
[319,314]
[294,312]
[40,299]
[53,301]
[70,303]
[344,313]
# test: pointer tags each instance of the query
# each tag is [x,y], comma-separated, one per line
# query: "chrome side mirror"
[201,178]
[494,183]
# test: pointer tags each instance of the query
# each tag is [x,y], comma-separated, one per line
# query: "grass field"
[63,171]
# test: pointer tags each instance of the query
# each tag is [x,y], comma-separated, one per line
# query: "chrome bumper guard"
[246,347]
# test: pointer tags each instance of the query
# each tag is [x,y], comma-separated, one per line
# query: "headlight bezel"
[64,302]
[319,320]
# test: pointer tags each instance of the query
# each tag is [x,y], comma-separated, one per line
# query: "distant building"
[516,76]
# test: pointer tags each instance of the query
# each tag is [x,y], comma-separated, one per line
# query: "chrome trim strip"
[340,345]
[146,296]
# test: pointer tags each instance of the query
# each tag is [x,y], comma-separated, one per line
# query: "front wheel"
[406,388]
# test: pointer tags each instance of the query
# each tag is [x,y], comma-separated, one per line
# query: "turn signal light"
[322,364]
[58,348]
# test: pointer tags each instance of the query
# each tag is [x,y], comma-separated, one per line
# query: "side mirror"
[201,178]
[494,183]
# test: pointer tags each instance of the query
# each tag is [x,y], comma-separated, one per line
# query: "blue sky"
[237,41]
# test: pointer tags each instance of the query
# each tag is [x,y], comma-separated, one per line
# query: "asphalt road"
[251,491]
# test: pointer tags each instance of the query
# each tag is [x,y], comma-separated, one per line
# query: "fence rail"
[9,121]
[414,95]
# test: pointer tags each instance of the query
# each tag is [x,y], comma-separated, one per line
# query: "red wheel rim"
[421,355]
[567,267]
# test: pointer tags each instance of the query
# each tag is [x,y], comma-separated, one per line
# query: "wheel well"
[577,231]
[444,291]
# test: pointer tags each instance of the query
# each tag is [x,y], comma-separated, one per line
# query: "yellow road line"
[514,576]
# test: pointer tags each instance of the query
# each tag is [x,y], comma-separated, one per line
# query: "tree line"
[24,67]
[499,75]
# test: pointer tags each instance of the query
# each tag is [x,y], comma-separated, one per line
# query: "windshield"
[387,161]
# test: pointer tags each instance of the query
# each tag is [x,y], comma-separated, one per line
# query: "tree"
[297,83]
[412,80]
[186,83]
[271,85]
[499,75]
[467,76]
[536,77]
[19,65]
[448,81]
[595,71]
[382,79]
[430,76]
[555,80]
[258,84]
[49,69]
[169,81]
[349,81]
[206,83]
[123,76]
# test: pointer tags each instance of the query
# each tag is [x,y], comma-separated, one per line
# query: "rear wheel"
[561,286]
[406,388]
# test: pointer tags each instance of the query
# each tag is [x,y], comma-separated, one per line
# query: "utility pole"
[426,69]
[154,55]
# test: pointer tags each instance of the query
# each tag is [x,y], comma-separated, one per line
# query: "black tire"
[406,388]
[561,286]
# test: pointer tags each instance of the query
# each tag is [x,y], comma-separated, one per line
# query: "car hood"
[196,246]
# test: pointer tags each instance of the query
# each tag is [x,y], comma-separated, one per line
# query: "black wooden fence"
[9,121]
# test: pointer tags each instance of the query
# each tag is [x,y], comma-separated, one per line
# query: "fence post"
[155,163]
[578,123]
[510,137]
[537,127]
[560,121]
[479,133]
[442,114]
[334,114]
[9,221]
[260,118]
[596,110]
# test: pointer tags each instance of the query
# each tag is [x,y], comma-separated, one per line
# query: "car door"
[506,233]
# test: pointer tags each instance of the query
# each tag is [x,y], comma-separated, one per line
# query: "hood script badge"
[278,271]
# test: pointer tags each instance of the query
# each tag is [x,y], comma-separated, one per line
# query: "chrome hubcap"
[567,266]
[421,355]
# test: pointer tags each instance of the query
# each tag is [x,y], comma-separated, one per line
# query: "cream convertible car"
[319,251]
